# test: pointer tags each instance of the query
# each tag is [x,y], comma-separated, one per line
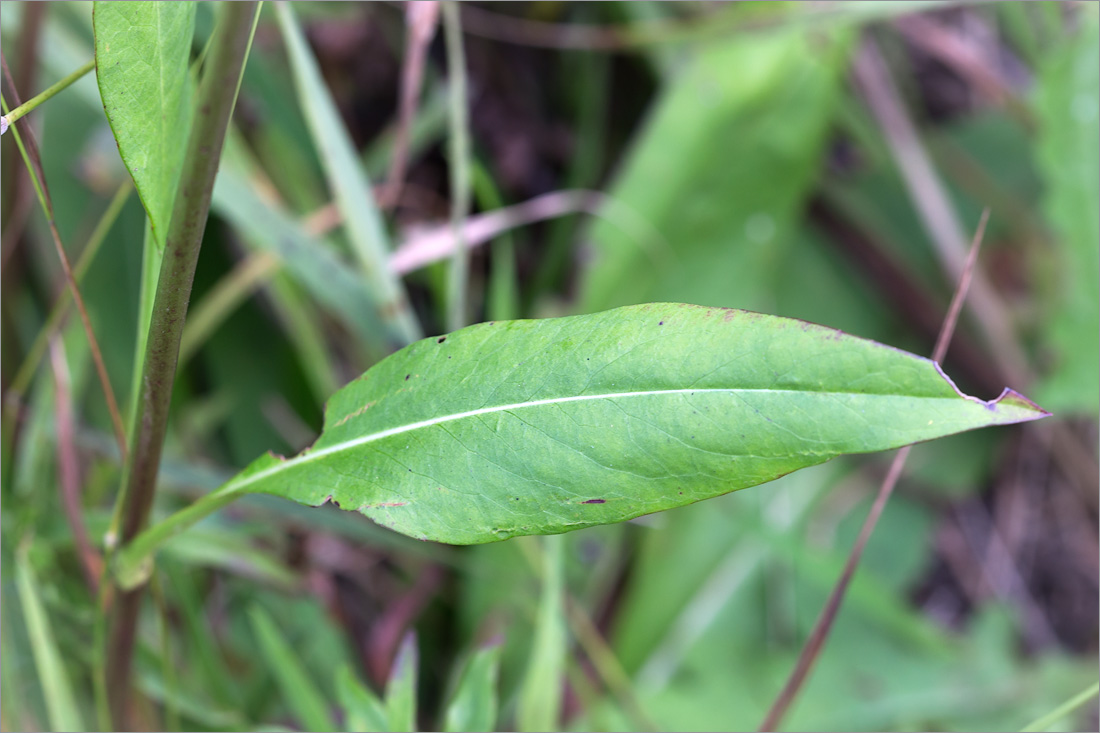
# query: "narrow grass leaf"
[61,708]
[474,705]
[202,649]
[349,184]
[328,279]
[401,688]
[302,697]
[142,51]
[541,693]
[502,296]
[363,711]
[1048,721]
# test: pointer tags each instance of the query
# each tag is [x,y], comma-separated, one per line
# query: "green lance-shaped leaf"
[142,50]
[540,427]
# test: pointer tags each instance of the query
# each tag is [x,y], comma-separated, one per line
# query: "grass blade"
[401,689]
[1047,721]
[328,279]
[349,185]
[363,710]
[541,695]
[64,715]
[301,695]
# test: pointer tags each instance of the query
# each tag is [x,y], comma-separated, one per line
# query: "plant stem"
[30,104]
[459,168]
[502,298]
[816,642]
[213,107]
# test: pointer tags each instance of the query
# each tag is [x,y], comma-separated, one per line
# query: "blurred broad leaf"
[541,427]
[1069,157]
[718,175]
[142,51]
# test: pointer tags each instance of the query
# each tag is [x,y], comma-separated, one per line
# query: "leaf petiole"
[132,564]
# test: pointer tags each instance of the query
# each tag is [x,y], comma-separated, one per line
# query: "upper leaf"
[539,427]
[142,51]
[735,140]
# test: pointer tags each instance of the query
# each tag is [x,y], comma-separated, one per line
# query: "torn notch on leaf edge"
[1008,397]
[1013,398]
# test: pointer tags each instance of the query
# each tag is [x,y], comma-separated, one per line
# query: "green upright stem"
[460,166]
[213,108]
[30,104]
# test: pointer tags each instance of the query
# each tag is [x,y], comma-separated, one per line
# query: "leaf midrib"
[310,455]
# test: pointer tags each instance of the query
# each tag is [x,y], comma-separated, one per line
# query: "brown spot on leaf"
[594,501]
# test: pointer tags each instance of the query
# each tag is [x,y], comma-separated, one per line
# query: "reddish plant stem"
[16,195]
[68,465]
[421,19]
[812,649]
[31,148]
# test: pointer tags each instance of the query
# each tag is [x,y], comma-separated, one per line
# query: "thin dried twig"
[421,20]
[967,58]
[60,310]
[934,207]
[941,222]
[813,646]
[16,197]
[435,244]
